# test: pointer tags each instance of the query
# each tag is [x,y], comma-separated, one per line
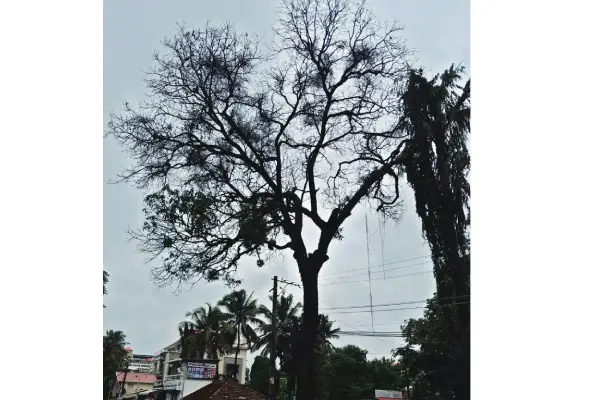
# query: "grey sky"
[438,30]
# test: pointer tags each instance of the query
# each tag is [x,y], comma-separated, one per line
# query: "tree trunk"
[308,331]
[237,351]
[122,388]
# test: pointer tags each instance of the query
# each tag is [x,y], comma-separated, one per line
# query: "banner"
[201,370]
[172,384]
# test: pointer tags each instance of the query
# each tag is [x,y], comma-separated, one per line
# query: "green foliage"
[207,334]
[345,373]
[288,311]
[114,358]
[289,321]
[283,390]
[240,312]
[238,153]
[259,375]
[436,357]
[348,372]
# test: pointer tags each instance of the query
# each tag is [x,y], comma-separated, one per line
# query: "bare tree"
[239,148]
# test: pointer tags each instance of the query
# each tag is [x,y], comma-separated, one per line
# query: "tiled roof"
[136,377]
[225,390]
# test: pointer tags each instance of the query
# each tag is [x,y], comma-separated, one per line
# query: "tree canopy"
[240,146]
[114,358]
[436,356]
[208,333]
[241,312]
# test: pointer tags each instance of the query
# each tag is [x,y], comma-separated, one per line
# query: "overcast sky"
[133,29]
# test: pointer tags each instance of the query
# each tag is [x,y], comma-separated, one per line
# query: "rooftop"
[135,377]
[225,389]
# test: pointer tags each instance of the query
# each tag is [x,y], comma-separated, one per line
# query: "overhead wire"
[328,278]
[397,309]
[378,279]
[396,304]
[375,266]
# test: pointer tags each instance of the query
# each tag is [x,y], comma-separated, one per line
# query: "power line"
[398,309]
[378,272]
[396,304]
[361,324]
[372,334]
[380,265]
[377,279]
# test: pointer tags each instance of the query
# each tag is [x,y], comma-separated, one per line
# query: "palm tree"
[208,333]
[241,311]
[325,332]
[114,357]
[287,316]
[287,311]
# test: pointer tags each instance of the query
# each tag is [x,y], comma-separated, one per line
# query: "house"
[177,377]
[134,382]
[225,388]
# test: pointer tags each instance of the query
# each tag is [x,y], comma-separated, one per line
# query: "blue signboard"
[201,370]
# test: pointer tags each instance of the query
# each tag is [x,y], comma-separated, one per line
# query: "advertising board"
[204,370]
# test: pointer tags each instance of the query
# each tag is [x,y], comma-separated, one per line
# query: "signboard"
[172,384]
[388,394]
[206,370]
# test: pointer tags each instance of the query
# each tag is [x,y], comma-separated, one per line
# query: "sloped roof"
[135,377]
[226,389]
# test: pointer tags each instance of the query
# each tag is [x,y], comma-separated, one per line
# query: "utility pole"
[272,369]
[274,387]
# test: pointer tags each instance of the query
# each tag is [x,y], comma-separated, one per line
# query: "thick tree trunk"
[308,331]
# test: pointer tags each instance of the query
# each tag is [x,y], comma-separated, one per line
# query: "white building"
[176,378]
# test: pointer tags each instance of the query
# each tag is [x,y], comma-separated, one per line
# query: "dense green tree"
[241,312]
[114,358]
[207,333]
[240,153]
[385,374]
[347,372]
[259,374]
[437,163]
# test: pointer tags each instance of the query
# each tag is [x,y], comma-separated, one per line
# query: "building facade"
[131,383]
[139,362]
[176,377]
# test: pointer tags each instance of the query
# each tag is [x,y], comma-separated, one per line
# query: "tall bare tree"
[240,148]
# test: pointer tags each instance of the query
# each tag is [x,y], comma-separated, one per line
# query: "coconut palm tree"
[207,333]
[287,310]
[241,311]
[114,357]
[326,332]
[287,320]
